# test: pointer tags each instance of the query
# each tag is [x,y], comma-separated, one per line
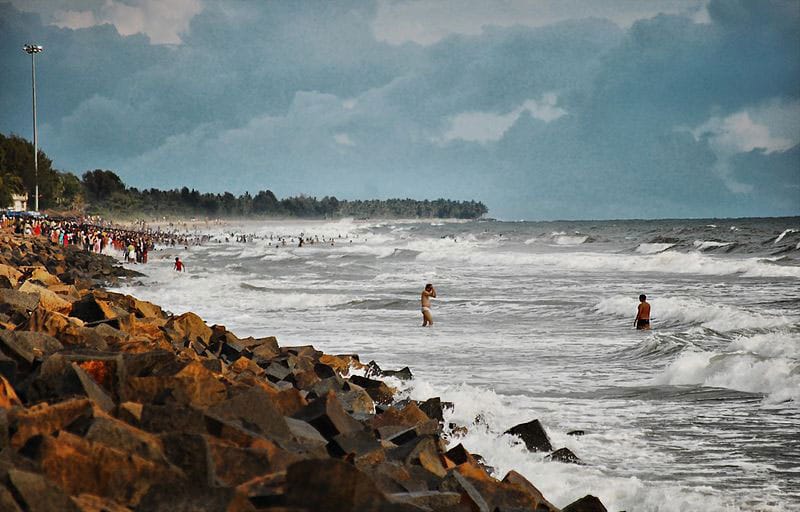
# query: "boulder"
[41,276]
[588,503]
[80,466]
[48,300]
[42,419]
[35,493]
[254,410]
[190,326]
[12,274]
[533,435]
[331,485]
[519,481]
[26,346]
[8,397]
[327,415]
[377,389]
[565,455]
[15,300]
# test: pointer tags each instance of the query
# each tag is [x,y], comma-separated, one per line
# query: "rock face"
[108,403]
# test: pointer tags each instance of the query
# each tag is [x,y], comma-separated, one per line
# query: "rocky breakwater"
[109,403]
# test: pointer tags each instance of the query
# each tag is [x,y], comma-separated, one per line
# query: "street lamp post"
[32,50]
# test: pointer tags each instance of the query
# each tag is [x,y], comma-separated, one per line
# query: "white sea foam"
[570,240]
[782,235]
[702,245]
[766,363]
[653,248]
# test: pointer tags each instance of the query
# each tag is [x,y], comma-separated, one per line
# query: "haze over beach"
[541,162]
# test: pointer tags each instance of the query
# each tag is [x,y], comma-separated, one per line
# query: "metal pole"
[35,142]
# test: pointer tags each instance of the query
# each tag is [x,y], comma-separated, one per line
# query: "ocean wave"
[653,248]
[782,235]
[703,245]
[763,363]
[684,311]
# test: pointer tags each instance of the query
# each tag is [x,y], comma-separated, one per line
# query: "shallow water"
[534,320]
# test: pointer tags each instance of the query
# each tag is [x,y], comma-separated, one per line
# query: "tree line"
[103,192]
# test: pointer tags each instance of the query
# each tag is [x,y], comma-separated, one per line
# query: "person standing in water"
[428,293]
[642,321]
[179,266]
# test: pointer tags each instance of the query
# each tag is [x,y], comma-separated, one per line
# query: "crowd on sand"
[100,237]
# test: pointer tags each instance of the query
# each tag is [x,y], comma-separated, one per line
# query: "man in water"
[642,321]
[427,293]
[179,266]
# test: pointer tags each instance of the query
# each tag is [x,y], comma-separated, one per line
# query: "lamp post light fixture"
[32,50]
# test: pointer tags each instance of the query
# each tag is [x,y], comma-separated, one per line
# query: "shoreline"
[108,401]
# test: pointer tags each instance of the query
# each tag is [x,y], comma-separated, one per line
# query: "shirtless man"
[642,321]
[427,293]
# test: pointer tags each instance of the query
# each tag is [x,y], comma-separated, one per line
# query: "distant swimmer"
[427,294]
[179,266]
[642,321]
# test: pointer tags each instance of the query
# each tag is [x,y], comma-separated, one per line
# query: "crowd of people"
[99,237]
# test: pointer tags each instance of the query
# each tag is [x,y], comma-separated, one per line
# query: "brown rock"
[11,273]
[53,323]
[37,494]
[48,300]
[41,276]
[377,389]
[407,417]
[80,466]
[91,503]
[43,419]
[254,410]
[190,326]
[27,346]
[8,397]
[327,415]
[331,485]
[519,481]
[122,436]
[17,300]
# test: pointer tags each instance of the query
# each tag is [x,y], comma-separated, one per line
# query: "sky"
[542,109]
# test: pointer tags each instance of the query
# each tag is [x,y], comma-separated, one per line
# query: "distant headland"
[102,192]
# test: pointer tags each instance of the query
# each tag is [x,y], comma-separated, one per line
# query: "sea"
[534,320]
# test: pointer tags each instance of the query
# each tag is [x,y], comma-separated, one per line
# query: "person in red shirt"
[179,266]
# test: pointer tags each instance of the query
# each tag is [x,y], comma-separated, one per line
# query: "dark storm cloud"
[575,118]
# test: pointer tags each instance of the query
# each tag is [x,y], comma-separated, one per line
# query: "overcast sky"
[543,109]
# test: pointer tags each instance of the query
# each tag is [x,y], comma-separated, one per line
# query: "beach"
[108,402]
[535,320]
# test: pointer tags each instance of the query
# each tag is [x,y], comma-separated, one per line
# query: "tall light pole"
[32,50]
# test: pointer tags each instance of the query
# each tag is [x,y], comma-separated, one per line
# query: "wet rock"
[456,482]
[576,433]
[402,374]
[588,503]
[533,435]
[377,389]
[540,504]
[565,455]
[358,443]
